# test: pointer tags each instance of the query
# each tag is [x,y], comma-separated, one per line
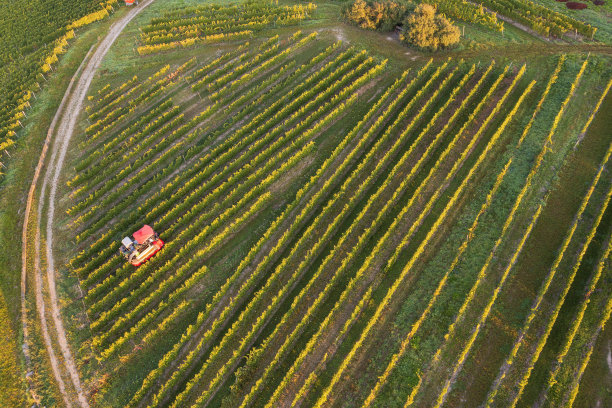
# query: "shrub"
[574,5]
[375,15]
[428,30]
[599,2]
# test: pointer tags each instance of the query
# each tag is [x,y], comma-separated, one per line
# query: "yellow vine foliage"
[11,391]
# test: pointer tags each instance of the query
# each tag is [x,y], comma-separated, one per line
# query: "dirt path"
[40,306]
[65,119]
[24,240]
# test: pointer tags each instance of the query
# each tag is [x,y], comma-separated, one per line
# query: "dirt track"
[65,119]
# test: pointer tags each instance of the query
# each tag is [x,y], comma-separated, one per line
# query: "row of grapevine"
[220,21]
[134,139]
[109,149]
[102,128]
[369,133]
[487,310]
[481,277]
[439,288]
[161,294]
[271,148]
[541,19]
[108,97]
[362,240]
[172,355]
[576,322]
[207,39]
[290,135]
[574,387]
[216,68]
[181,27]
[538,162]
[220,373]
[206,12]
[217,81]
[108,94]
[441,285]
[185,203]
[237,140]
[363,186]
[469,12]
[154,154]
[248,76]
[179,33]
[431,233]
[27,55]
[551,81]
[274,175]
[219,63]
[597,106]
[559,303]
[141,142]
[183,14]
[207,113]
[138,193]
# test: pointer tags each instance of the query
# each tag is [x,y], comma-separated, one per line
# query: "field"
[348,221]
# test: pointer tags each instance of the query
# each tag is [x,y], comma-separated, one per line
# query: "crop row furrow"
[572,391]
[204,217]
[577,321]
[362,240]
[174,354]
[313,250]
[212,243]
[186,364]
[538,162]
[238,138]
[186,203]
[128,140]
[431,233]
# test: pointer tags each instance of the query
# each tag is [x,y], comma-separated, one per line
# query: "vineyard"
[347,222]
[27,56]
[539,18]
[209,24]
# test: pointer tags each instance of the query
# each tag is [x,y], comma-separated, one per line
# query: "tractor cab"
[145,244]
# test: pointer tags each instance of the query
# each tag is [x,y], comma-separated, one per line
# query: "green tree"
[428,30]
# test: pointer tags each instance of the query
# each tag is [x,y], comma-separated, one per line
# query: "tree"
[375,15]
[428,30]
[359,13]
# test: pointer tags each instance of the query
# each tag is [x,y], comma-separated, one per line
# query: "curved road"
[65,120]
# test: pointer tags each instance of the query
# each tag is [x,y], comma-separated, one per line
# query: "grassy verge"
[14,189]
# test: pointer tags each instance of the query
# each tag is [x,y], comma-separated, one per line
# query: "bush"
[428,30]
[574,5]
[375,15]
[599,2]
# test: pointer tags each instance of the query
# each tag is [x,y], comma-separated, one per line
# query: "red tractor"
[146,243]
